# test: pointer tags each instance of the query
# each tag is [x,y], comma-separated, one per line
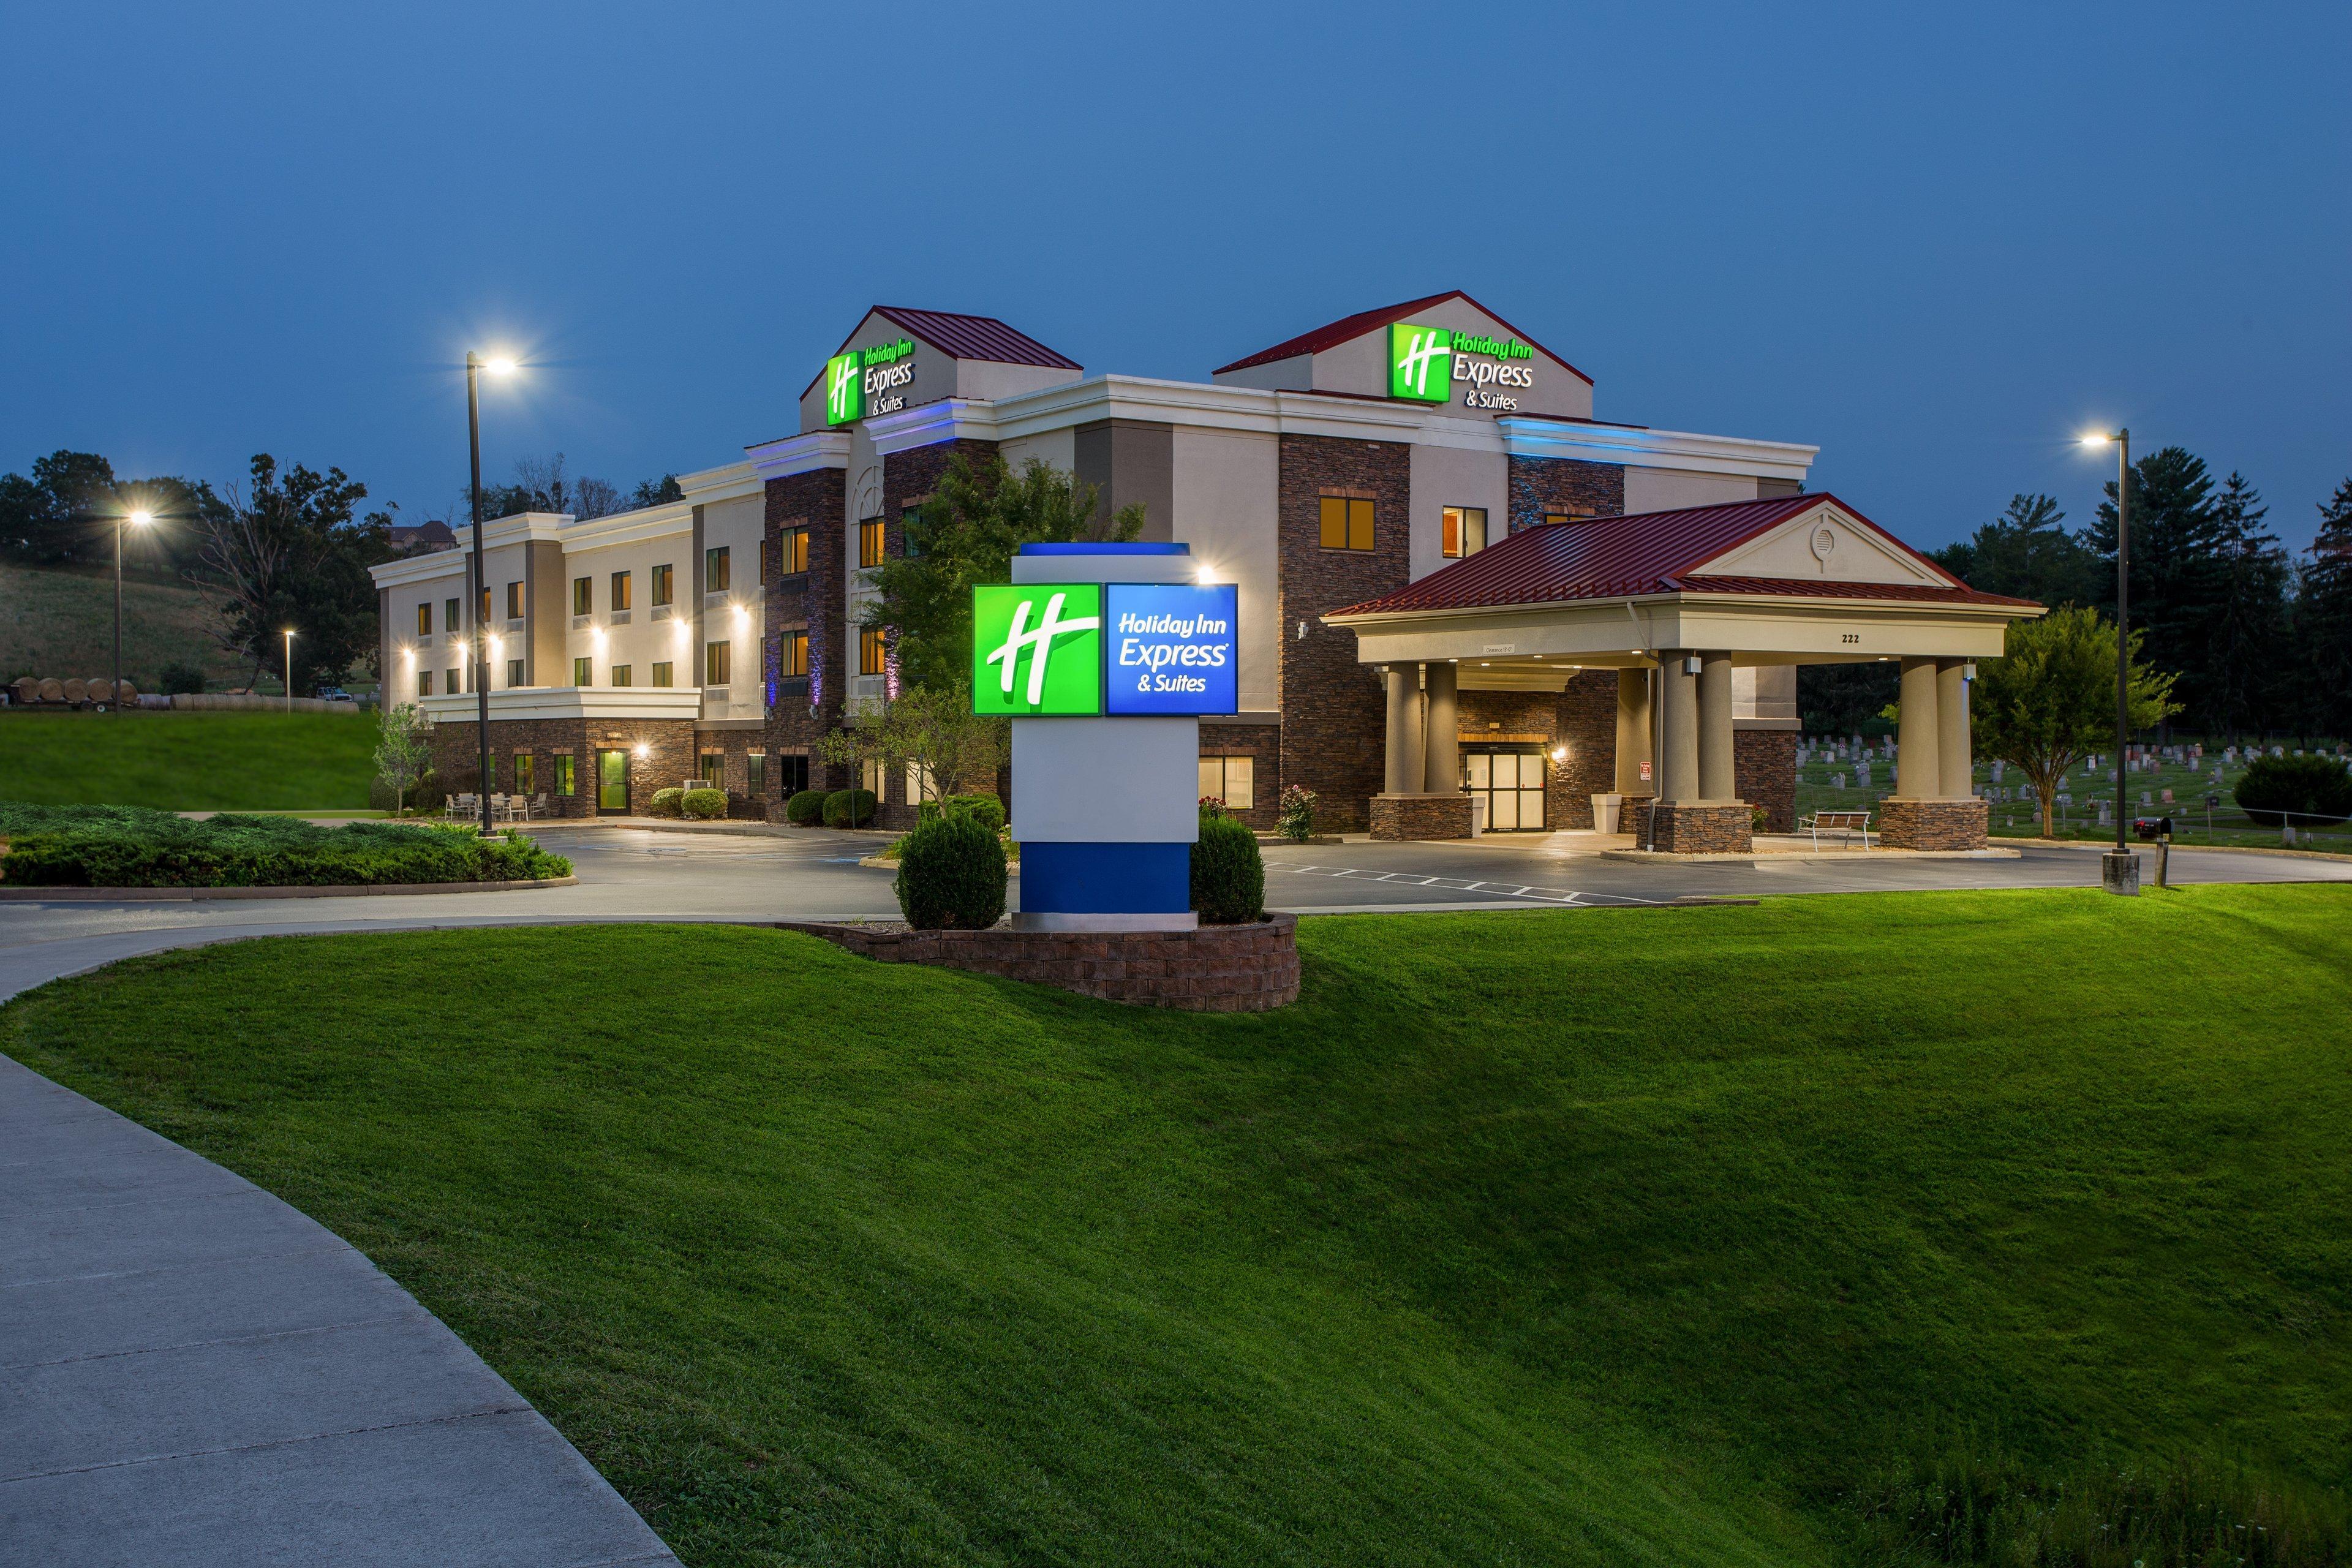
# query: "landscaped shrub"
[1228,873]
[156,850]
[849,809]
[1295,815]
[180,678]
[2314,787]
[670,802]
[806,809]
[987,808]
[951,874]
[702,805]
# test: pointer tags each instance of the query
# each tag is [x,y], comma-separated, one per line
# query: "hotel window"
[1465,530]
[425,683]
[620,590]
[525,772]
[755,774]
[424,619]
[869,542]
[908,535]
[792,656]
[620,675]
[1347,523]
[714,770]
[870,776]
[514,672]
[872,650]
[793,552]
[450,610]
[583,595]
[792,774]
[661,585]
[661,672]
[584,672]
[717,574]
[1233,780]
[565,779]
[454,687]
[514,600]
[485,605]
[718,663]
[919,787]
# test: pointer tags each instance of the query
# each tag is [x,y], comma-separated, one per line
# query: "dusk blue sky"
[1935,242]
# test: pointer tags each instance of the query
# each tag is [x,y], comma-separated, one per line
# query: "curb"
[2137,848]
[331,890]
[1669,858]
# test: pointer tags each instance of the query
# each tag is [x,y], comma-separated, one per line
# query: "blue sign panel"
[1170,649]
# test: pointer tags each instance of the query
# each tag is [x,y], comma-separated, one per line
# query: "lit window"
[620,675]
[583,595]
[794,554]
[1465,530]
[919,787]
[793,655]
[755,774]
[714,770]
[1347,523]
[717,574]
[872,650]
[718,663]
[449,611]
[514,600]
[485,605]
[620,590]
[869,542]
[1232,780]
[584,672]
[525,772]
[661,672]
[424,619]
[565,779]
[661,585]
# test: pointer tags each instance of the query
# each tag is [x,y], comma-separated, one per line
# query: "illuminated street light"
[2122,438]
[289,670]
[475,365]
[140,518]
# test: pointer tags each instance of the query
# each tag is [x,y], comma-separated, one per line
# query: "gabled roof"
[1356,326]
[961,337]
[1651,552]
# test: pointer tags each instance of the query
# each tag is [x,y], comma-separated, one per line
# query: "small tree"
[2051,696]
[935,729]
[403,750]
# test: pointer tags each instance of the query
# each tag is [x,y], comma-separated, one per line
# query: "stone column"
[1716,780]
[1918,774]
[1441,750]
[1632,729]
[1403,775]
[1955,753]
[1678,777]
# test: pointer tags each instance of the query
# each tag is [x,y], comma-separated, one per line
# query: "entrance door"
[612,784]
[1511,781]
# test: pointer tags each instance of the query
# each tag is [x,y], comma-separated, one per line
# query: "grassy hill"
[1883,1229]
[189,761]
[59,622]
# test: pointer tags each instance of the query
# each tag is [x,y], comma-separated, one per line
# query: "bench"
[1843,822]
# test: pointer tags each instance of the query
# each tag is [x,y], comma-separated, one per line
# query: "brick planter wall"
[1685,829]
[1420,815]
[1932,824]
[1217,969]
[1764,769]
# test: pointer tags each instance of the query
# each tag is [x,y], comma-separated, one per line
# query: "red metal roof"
[1357,325]
[1650,552]
[961,337]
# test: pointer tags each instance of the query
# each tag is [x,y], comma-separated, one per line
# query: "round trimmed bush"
[667,803]
[1228,873]
[849,809]
[805,809]
[950,875]
[702,805]
[2311,787]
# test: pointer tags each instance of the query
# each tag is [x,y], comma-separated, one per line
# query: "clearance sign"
[1043,649]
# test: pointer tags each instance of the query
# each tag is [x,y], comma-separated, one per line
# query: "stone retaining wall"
[1932,824]
[1216,969]
[1685,828]
[1420,816]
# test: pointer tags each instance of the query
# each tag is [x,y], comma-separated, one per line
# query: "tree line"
[2257,638]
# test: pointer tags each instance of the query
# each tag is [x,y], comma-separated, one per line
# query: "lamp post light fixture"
[140,518]
[2119,878]
[289,670]
[474,365]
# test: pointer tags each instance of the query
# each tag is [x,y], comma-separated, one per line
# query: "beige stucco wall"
[1666,489]
[1449,476]
[1225,490]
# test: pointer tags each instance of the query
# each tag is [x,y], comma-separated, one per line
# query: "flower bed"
[125,847]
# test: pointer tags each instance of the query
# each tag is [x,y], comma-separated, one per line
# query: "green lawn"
[189,761]
[1601,1238]
[60,622]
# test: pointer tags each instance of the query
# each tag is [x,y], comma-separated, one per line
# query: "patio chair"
[535,807]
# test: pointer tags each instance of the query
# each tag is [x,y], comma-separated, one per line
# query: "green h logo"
[1420,362]
[1036,648]
[845,389]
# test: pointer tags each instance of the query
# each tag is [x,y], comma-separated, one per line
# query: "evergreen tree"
[2028,554]
[2322,628]
[2243,679]
[2176,567]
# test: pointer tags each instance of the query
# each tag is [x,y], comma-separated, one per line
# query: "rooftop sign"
[859,382]
[1430,364]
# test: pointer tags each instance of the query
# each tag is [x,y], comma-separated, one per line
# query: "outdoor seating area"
[1845,825]
[503,807]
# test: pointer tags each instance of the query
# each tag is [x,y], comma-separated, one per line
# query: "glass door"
[1510,779]
[612,783]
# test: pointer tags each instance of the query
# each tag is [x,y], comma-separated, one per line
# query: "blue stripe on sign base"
[1106,879]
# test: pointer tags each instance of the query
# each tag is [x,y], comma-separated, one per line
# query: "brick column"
[1932,806]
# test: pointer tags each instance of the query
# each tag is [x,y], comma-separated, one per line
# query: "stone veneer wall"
[1261,742]
[735,748]
[1334,712]
[1217,969]
[1563,484]
[1583,716]
[1932,824]
[1420,815]
[809,601]
[1764,769]
[1685,829]
[669,756]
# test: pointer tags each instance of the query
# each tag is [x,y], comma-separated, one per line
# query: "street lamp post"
[140,518]
[289,670]
[474,365]
[2120,853]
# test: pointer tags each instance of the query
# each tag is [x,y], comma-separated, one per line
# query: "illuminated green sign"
[1036,648]
[1420,362]
[859,382]
[1426,362]
[844,390]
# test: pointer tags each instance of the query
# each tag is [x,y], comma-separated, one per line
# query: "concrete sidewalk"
[193,1372]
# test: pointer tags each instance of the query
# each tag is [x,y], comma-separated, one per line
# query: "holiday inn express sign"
[1082,649]
[862,381]
[1426,364]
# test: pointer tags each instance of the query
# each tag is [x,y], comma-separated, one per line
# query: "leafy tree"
[652,492]
[966,535]
[2249,620]
[2323,621]
[1845,699]
[2176,567]
[2051,697]
[403,750]
[290,555]
[541,484]
[66,512]
[932,728]
[2027,553]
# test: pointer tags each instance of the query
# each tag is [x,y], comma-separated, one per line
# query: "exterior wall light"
[1559,754]
[643,751]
